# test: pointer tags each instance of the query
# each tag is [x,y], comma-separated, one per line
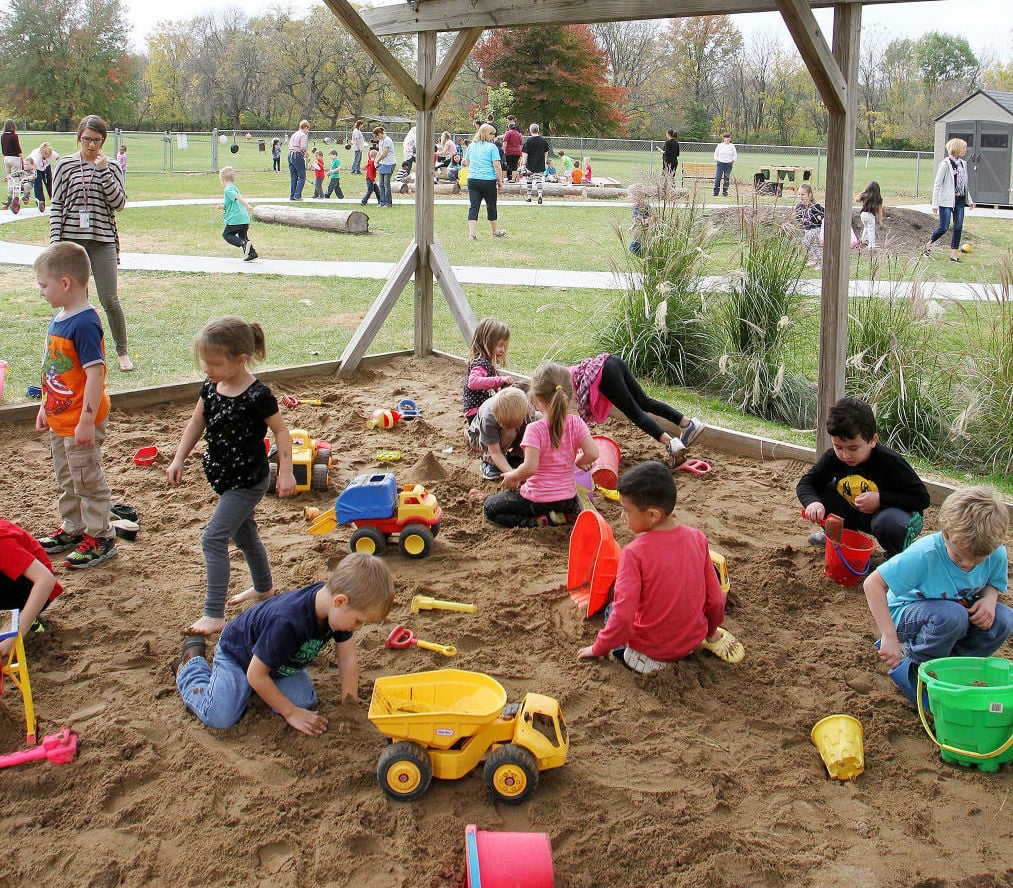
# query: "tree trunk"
[338,221]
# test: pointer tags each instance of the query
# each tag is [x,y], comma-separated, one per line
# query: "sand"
[703,775]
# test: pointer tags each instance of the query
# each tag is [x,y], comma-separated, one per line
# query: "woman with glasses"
[87,193]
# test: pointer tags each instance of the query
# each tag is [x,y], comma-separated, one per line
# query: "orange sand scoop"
[593,561]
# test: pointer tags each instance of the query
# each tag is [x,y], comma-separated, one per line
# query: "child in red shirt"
[371,178]
[660,614]
[27,583]
[318,173]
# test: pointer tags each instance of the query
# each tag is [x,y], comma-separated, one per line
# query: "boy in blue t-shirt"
[939,597]
[237,215]
[268,647]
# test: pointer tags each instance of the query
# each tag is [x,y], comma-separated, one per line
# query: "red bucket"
[508,860]
[605,469]
[848,561]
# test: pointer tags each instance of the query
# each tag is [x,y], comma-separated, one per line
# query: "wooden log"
[338,221]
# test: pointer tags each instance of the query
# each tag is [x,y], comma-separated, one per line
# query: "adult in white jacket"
[950,194]
[724,157]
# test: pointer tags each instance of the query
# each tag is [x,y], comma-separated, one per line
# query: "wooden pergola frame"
[833,69]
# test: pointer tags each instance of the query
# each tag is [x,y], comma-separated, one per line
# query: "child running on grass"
[234,412]
[268,647]
[668,600]
[542,491]
[489,345]
[237,215]
[371,186]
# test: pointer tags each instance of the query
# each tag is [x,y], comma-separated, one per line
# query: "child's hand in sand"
[586,654]
[815,512]
[307,721]
[510,481]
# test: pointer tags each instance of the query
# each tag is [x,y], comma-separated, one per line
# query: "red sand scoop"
[833,526]
[593,561]
[402,637]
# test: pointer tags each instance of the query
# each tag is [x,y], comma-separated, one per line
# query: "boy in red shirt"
[27,583]
[659,615]
[318,173]
[371,178]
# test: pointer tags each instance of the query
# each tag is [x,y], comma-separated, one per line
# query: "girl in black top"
[670,152]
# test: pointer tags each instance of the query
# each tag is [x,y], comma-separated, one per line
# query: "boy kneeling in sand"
[667,600]
[268,647]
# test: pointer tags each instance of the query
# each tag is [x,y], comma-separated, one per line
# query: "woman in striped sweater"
[87,192]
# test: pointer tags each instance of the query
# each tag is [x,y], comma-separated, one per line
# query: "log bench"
[339,221]
[699,171]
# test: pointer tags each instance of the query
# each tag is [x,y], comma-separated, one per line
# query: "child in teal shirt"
[334,186]
[237,215]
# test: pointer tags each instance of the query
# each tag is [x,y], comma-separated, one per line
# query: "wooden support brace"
[818,58]
[378,312]
[451,65]
[452,291]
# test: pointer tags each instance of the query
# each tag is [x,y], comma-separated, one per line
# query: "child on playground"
[497,430]
[567,163]
[873,488]
[237,215]
[551,175]
[454,172]
[121,158]
[27,583]
[939,598]
[605,381]
[276,155]
[809,217]
[234,412]
[267,648]
[74,407]
[319,171]
[371,187]
[542,491]
[489,345]
[334,186]
[872,213]
[643,218]
[667,599]
[587,170]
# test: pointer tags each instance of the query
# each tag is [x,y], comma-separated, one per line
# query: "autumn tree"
[559,77]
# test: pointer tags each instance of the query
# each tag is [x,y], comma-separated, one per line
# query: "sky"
[987,24]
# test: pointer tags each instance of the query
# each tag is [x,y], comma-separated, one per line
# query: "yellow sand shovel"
[424,602]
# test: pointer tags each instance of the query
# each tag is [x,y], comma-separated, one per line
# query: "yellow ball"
[966,248]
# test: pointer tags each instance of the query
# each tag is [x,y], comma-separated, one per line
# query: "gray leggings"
[103,266]
[233,519]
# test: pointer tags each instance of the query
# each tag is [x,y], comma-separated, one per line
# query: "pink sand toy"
[3,376]
[56,748]
[383,419]
[504,860]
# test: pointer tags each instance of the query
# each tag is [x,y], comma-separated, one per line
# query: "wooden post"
[837,243]
[425,138]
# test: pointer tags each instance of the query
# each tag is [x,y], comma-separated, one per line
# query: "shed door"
[990,163]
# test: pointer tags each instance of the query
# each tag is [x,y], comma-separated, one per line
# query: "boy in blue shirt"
[939,597]
[334,186]
[237,215]
[268,647]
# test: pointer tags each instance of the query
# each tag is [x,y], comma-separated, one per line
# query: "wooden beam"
[425,138]
[837,243]
[368,40]
[453,292]
[452,63]
[456,15]
[822,65]
[399,276]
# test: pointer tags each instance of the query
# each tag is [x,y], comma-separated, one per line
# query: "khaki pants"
[84,503]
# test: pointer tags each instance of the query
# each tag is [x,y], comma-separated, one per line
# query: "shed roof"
[1003,99]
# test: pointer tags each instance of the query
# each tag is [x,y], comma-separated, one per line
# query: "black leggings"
[477,190]
[509,509]
[619,386]
[236,234]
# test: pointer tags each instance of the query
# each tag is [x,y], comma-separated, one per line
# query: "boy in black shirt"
[872,487]
[533,153]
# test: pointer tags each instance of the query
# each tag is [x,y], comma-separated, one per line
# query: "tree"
[944,57]
[62,59]
[700,52]
[999,76]
[558,76]
[636,61]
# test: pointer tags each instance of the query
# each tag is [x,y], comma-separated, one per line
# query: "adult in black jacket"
[670,152]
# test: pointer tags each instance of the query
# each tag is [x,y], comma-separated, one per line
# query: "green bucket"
[971,699]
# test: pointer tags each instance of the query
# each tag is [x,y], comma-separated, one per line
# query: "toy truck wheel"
[272,477]
[16,205]
[415,540]
[511,773]
[404,771]
[322,457]
[368,540]
[319,481]
[434,529]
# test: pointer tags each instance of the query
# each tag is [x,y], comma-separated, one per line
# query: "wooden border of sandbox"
[726,440]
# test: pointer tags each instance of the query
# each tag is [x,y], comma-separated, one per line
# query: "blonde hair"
[65,259]
[486,133]
[957,147]
[367,583]
[974,519]
[551,384]
[510,407]
[232,336]
[487,336]
[227,174]
[304,124]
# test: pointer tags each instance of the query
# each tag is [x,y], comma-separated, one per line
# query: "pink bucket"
[507,860]
[605,470]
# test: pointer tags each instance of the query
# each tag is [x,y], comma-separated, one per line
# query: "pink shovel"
[57,748]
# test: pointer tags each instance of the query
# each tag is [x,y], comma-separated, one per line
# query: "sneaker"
[954,258]
[42,206]
[247,246]
[91,551]
[692,431]
[677,451]
[818,538]
[927,253]
[253,254]
[641,663]
[491,472]
[539,200]
[59,542]
[552,519]
[528,200]
[499,232]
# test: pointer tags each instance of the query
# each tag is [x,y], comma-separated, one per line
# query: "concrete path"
[24,254]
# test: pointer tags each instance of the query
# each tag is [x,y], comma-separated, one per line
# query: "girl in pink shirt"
[542,491]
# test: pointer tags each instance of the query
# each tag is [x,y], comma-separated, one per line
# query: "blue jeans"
[941,628]
[722,170]
[956,212]
[233,520]
[297,174]
[383,174]
[370,189]
[357,160]
[218,694]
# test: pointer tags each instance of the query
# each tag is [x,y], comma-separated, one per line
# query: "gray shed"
[985,121]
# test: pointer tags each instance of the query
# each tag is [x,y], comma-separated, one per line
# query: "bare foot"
[206,626]
[250,594]
[126,365]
